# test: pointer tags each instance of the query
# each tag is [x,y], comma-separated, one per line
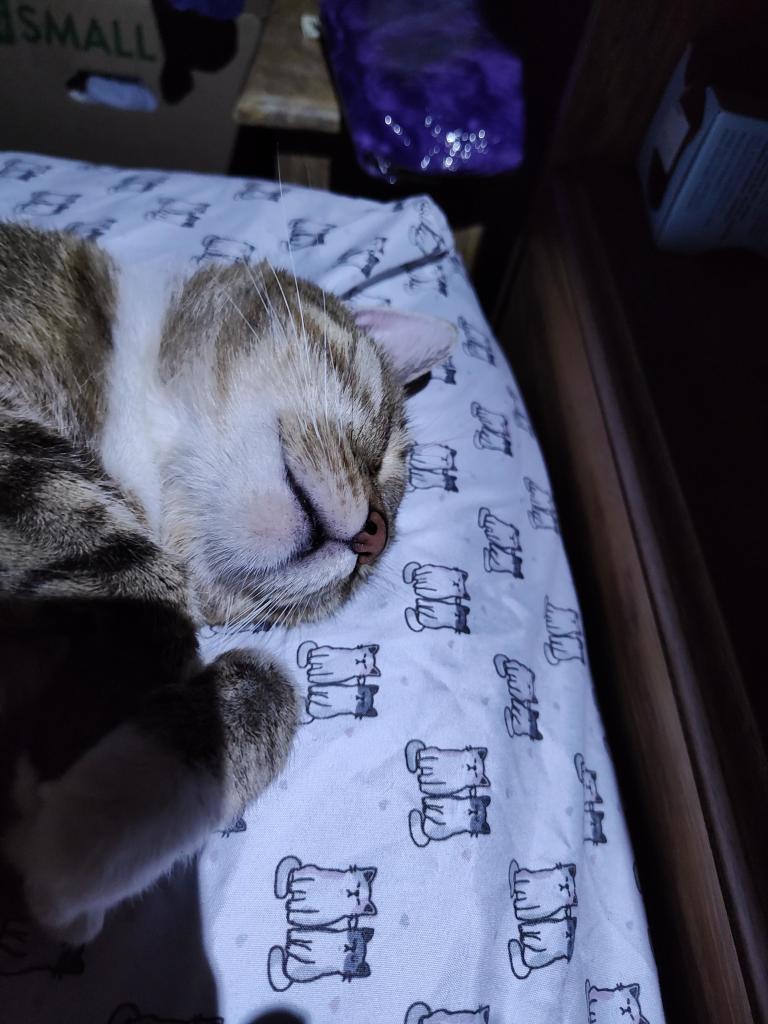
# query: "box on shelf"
[704,165]
[61,60]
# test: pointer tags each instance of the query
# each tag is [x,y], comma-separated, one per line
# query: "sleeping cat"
[323,896]
[229,448]
[311,953]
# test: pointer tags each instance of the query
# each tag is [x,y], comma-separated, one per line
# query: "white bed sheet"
[475,786]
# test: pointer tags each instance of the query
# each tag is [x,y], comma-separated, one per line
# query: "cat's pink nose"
[372,539]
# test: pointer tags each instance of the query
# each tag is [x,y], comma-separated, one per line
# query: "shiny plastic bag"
[426,88]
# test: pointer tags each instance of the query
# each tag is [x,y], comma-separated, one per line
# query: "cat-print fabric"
[323,910]
[447,844]
[452,784]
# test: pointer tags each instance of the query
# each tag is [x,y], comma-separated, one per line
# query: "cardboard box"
[704,166]
[46,46]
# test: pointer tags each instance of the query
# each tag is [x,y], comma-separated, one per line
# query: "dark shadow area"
[72,671]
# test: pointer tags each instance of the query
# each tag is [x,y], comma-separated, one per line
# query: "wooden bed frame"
[680,720]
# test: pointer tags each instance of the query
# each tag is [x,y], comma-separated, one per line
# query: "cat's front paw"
[258,710]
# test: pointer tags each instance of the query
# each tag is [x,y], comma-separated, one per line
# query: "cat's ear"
[486,828]
[484,781]
[634,991]
[414,342]
[368,874]
[374,649]
[571,870]
[373,687]
[485,800]
[374,671]
[371,713]
[485,1012]
[368,910]
[483,752]
[363,970]
[367,934]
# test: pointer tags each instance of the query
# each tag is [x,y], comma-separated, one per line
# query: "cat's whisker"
[242,315]
[285,299]
[266,302]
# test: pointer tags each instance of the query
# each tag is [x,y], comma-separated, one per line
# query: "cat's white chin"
[314,573]
[307,587]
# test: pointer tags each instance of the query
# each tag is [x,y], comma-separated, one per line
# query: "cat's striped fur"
[169,453]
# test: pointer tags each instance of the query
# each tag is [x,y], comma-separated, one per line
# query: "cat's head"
[474,764]
[566,883]
[619,1005]
[358,883]
[355,949]
[366,654]
[288,466]
[478,815]
[364,701]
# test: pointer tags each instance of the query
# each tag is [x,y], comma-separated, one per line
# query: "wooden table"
[289,89]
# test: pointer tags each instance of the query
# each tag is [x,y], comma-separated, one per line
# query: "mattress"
[447,843]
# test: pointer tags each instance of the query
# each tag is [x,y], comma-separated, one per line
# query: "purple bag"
[426,89]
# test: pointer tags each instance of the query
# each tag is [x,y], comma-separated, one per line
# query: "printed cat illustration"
[618,1005]
[312,953]
[262,190]
[46,203]
[542,513]
[332,700]
[565,638]
[90,229]
[593,818]
[23,170]
[139,183]
[432,465]
[447,772]
[420,1013]
[539,895]
[437,582]
[445,372]
[439,592]
[306,233]
[177,211]
[337,664]
[543,903]
[238,825]
[476,343]
[364,259]
[501,555]
[429,241]
[323,908]
[520,718]
[493,434]
[519,414]
[441,818]
[432,277]
[318,897]
[129,1013]
[229,250]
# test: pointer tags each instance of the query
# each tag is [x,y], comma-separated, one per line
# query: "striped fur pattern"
[170,452]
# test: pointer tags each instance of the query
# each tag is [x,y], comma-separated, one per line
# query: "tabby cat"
[229,448]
